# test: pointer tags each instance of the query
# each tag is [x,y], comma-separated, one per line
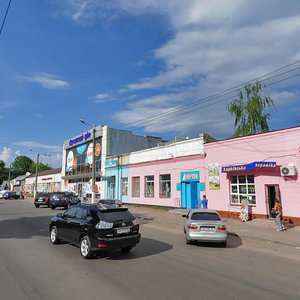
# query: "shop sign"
[189,176]
[46,178]
[257,165]
[111,163]
[83,137]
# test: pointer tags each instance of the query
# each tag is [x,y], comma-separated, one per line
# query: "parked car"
[41,199]
[2,193]
[93,227]
[10,195]
[63,199]
[20,194]
[113,202]
[205,225]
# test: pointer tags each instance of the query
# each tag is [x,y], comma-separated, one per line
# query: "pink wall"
[282,146]
[171,166]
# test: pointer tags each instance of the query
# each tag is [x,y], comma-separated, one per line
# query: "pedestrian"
[204,202]
[278,212]
[244,214]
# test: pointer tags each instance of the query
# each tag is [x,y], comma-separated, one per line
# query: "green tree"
[21,165]
[248,110]
[41,167]
[3,172]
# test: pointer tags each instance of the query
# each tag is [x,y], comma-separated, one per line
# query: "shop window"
[135,186]
[149,186]
[242,187]
[165,186]
[124,186]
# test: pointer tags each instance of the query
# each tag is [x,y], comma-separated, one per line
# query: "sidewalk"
[261,229]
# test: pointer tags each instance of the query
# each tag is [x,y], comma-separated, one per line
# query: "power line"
[7,9]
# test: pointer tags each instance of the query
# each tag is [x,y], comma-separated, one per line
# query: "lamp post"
[36,173]
[9,177]
[93,162]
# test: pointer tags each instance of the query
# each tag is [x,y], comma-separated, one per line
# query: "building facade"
[258,168]
[47,181]
[77,163]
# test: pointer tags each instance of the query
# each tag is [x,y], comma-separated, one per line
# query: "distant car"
[205,225]
[20,194]
[113,202]
[2,193]
[10,195]
[63,199]
[94,227]
[41,199]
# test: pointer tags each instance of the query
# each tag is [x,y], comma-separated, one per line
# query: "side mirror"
[59,215]
[184,216]
[89,219]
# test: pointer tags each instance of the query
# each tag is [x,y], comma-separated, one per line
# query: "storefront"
[77,164]
[258,168]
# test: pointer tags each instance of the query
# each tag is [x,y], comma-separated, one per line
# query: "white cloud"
[214,46]
[5,154]
[48,81]
[37,145]
[99,98]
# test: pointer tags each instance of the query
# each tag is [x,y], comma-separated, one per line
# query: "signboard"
[111,163]
[257,165]
[83,137]
[189,176]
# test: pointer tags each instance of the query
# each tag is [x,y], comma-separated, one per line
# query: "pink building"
[256,169]
[259,167]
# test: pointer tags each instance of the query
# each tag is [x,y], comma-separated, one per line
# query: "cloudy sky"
[157,67]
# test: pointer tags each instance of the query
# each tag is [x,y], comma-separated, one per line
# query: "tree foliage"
[248,110]
[41,167]
[3,172]
[21,165]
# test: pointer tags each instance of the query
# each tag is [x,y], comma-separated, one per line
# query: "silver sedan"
[205,225]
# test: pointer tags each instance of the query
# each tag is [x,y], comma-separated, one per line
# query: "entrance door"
[189,194]
[272,193]
[112,185]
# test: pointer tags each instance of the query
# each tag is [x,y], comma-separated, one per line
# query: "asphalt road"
[162,266]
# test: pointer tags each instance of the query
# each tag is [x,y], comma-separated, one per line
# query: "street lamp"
[94,161]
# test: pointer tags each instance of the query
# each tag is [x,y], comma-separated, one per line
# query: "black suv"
[94,227]
[63,199]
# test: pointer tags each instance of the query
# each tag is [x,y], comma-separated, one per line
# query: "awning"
[257,165]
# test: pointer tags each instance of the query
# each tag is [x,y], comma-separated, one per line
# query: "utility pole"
[36,173]
[9,177]
[94,166]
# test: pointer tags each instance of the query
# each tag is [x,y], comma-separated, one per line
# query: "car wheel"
[126,249]
[223,244]
[37,206]
[54,235]
[86,247]
[52,207]
[187,241]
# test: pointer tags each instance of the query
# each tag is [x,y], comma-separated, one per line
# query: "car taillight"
[221,227]
[193,226]
[104,225]
[135,222]
[35,199]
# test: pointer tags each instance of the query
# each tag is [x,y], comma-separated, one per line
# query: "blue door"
[189,194]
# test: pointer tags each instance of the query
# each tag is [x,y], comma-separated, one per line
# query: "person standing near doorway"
[278,209]
[204,202]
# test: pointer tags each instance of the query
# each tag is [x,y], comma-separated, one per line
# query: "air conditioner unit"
[287,171]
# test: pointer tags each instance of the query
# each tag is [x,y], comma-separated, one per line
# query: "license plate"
[40,200]
[207,228]
[123,230]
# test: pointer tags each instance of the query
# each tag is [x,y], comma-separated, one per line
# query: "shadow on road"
[146,247]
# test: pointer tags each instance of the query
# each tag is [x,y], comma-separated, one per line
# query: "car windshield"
[42,195]
[58,195]
[205,216]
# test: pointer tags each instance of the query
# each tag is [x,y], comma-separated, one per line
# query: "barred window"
[135,186]
[149,186]
[242,187]
[124,186]
[165,186]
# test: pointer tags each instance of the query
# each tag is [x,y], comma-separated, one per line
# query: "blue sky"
[119,62]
